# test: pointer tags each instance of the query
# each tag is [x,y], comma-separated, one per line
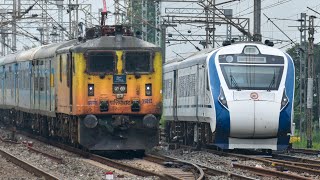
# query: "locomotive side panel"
[62,87]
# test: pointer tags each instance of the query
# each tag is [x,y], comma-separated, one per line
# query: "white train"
[235,97]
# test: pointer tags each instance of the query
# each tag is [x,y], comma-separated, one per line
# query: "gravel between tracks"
[217,162]
[73,166]
[8,170]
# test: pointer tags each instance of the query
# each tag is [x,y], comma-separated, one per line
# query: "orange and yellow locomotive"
[104,93]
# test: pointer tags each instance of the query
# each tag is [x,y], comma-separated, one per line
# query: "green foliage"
[303,142]
[295,53]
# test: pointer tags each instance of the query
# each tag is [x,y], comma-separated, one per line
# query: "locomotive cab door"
[70,62]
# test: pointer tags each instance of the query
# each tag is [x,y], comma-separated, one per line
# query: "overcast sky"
[281,9]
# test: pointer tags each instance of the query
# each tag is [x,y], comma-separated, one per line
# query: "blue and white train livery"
[235,97]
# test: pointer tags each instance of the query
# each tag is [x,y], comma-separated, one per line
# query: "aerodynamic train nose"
[253,114]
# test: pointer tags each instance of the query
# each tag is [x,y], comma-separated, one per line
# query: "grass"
[303,141]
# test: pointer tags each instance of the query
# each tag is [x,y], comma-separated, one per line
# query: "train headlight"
[222,98]
[284,100]
[123,88]
[119,88]
[148,89]
[116,89]
[251,50]
[229,59]
[90,89]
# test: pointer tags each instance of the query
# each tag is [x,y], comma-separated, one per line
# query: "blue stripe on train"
[222,114]
[285,114]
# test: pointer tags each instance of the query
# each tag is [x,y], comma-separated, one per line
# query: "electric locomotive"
[235,97]
[102,92]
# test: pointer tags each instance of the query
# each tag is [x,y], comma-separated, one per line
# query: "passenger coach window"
[101,62]
[137,62]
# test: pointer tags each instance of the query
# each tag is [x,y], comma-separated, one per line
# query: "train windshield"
[137,62]
[250,77]
[101,62]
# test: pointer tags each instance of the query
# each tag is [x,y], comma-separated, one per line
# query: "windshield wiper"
[272,82]
[234,83]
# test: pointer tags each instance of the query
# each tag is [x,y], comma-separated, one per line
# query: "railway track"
[207,170]
[283,165]
[194,172]
[28,167]
[305,151]
[275,166]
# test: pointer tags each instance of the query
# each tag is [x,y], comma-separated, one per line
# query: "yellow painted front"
[84,104]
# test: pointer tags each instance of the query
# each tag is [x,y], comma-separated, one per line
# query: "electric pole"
[302,87]
[310,81]
[257,21]
[14,26]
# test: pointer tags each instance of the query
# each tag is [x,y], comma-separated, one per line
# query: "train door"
[1,83]
[175,95]
[47,84]
[16,83]
[52,82]
[36,85]
[201,92]
[30,72]
[69,78]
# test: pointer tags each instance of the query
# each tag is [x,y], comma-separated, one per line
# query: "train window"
[249,77]
[137,62]
[101,62]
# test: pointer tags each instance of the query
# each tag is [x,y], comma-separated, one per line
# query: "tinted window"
[101,62]
[252,77]
[138,62]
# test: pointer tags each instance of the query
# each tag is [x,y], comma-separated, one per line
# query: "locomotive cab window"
[101,62]
[138,62]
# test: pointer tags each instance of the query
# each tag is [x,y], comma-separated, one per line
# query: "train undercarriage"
[189,133]
[107,135]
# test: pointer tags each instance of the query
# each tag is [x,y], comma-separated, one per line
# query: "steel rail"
[162,159]
[305,151]
[28,167]
[57,159]
[285,164]
[206,170]
[297,159]
[103,160]
[270,172]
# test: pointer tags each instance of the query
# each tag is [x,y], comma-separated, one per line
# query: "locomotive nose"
[253,118]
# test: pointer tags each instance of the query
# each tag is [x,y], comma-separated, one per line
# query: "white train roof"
[238,49]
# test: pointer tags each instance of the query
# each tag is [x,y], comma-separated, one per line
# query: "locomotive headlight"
[284,100]
[229,59]
[222,98]
[123,88]
[116,88]
[90,89]
[148,89]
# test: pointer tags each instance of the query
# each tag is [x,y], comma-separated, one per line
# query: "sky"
[286,12]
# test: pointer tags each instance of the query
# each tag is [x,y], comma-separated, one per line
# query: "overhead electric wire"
[64,29]
[279,29]
[187,39]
